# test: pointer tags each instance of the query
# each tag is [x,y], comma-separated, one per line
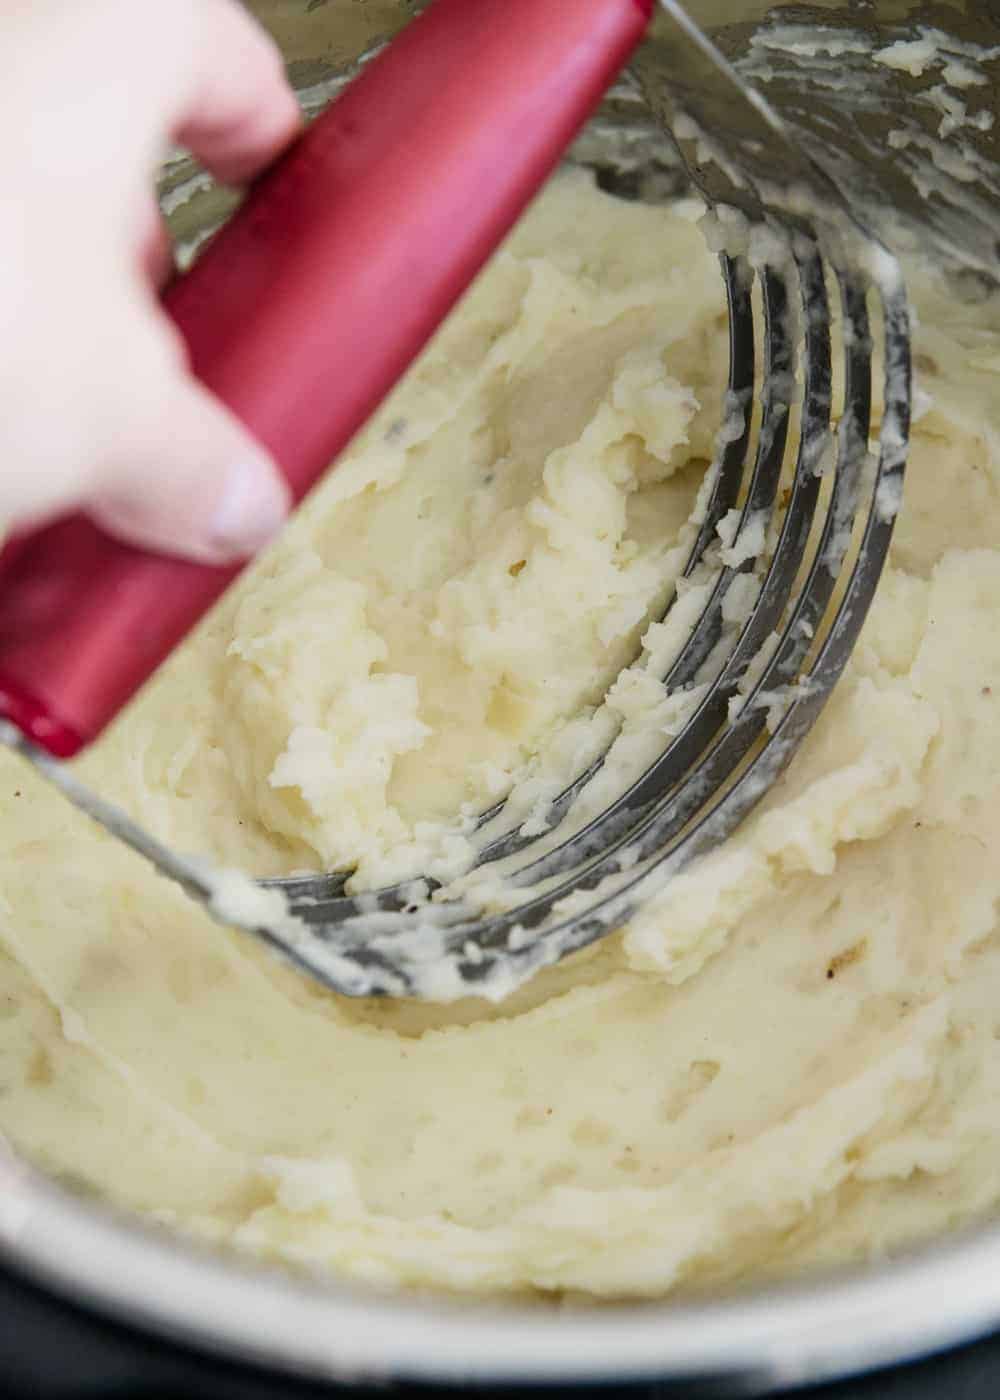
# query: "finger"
[242,113]
[184,477]
[156,248]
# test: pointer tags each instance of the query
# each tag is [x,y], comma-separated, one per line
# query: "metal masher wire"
[685,803]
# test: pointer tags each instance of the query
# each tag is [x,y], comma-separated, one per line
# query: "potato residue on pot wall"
[793,1059]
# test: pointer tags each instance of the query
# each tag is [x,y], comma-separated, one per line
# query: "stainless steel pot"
[745,1343]
[931,1299]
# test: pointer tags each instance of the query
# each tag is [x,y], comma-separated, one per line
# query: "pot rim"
[934,1297]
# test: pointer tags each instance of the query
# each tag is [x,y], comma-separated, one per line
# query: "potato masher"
[311,302]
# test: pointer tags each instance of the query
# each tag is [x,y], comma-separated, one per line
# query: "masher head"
[809,512]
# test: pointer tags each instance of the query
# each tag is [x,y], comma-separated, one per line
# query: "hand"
[97,407]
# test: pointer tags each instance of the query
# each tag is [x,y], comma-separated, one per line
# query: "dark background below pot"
[51,1350]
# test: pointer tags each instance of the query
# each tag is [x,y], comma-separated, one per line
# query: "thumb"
[188,479]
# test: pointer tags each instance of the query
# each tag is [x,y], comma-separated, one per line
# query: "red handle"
[304,311]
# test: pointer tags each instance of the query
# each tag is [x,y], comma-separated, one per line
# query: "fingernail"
[251,510]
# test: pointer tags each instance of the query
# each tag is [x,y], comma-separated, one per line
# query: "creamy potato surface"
[791,1058]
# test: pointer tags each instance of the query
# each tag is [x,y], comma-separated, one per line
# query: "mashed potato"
[792,1058]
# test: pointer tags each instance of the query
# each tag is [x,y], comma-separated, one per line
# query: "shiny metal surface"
[917,160]
[918,157]
[753,1341]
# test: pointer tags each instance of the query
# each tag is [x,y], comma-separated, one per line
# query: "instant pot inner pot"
[816,63]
